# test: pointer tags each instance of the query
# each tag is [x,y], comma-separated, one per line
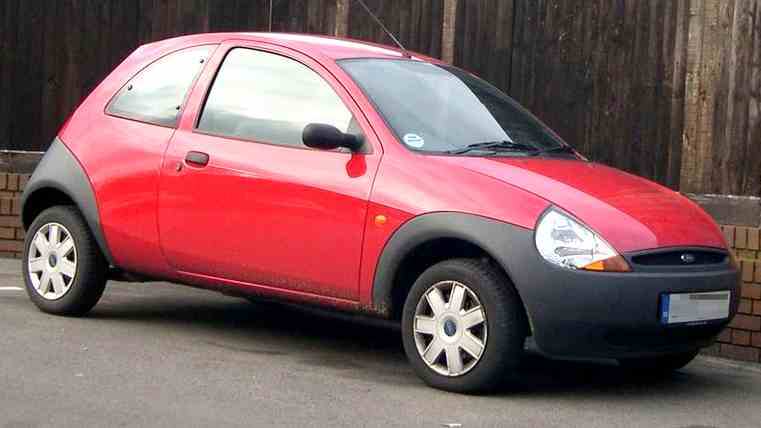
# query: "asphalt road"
[164,355]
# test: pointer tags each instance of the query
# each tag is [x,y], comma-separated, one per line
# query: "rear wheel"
[463,326]
[64,270]
[659,365]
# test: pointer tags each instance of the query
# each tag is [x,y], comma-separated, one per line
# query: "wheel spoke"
[456,297]
[425,325]
[67,267]
[66,246]
[433,351]
[37,265]
[54,235]
[454,359]
[58,284]
[41,243]
[473,318]
[436,301]
[44,282]
[450,328]
[472,345]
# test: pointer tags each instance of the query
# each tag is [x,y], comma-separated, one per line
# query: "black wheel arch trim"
[500,240]
[60,170]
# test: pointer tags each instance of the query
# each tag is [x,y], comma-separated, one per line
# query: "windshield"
[441,109]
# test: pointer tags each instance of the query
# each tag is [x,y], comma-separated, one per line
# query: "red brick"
[20,235]
[24,178]
[749,255]
[12,246]
[753,242]
[16,206]
[751,291]
[741,238]
[740,337]
[744,322]
[8,255]
[7,233]
[10,221]
[12,182]
[758,272]
[757,307]
[729,235]
[740,352]
[746,306]
[5,206]
[756,339]
[725,336]
[747,270]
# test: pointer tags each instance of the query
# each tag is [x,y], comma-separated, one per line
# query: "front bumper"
[612,315]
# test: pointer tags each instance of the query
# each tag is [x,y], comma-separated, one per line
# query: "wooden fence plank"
[485,26]
[404,18]
[752,169]
[668,89]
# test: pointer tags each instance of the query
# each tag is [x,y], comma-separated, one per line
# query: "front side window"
[442,109]
[269,98]
[157,93]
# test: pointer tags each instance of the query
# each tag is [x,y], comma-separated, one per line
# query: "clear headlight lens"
[564,241]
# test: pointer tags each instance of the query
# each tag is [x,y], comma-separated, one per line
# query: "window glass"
[269,98]
[435,109]
[157,93]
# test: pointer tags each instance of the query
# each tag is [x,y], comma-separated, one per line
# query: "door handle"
[197,158]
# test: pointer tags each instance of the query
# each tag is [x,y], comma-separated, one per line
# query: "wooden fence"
[667,89]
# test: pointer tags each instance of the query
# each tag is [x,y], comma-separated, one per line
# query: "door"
[241,197]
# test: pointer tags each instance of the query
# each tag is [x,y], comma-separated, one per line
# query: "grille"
[681,258]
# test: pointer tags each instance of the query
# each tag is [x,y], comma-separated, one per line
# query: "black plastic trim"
[573,313]
[60,170]
[494,237]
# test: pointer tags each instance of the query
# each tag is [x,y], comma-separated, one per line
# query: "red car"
[364,178]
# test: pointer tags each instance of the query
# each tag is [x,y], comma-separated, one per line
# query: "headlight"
[566,242]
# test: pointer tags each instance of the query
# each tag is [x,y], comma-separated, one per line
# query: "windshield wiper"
[494,146]
[558,149]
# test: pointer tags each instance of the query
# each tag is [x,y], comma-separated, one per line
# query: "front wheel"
[463,326]
[64,270]
[659,365]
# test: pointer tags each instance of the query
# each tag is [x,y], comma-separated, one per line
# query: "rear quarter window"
[156,94]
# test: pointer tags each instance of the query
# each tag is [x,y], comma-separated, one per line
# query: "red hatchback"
[359,177]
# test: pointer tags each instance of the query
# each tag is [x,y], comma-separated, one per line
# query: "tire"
[76,270]
[502,340]
[658,365]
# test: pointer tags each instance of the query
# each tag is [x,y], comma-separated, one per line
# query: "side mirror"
[327,137]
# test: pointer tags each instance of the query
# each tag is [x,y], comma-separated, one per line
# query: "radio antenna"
[385,30]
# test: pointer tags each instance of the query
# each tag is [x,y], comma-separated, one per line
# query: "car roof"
[331,47]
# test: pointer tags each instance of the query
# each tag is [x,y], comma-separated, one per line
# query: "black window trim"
[367,148]
[192,86]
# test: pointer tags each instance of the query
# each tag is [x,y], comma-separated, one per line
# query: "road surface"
[163,355]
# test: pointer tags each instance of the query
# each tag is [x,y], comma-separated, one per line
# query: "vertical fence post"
[342,18]
[449,24]
[709,41]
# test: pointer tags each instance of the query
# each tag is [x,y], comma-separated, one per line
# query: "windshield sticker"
[414,140]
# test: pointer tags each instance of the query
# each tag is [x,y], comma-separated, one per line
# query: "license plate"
[683,308]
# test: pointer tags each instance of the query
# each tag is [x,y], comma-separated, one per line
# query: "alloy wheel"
[52,261]
[450,332]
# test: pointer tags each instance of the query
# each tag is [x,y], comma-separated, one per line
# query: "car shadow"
[366,349]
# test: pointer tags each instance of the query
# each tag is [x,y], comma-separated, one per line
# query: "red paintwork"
[300,223]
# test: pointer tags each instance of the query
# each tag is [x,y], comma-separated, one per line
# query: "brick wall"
[11,233]
[742,339]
